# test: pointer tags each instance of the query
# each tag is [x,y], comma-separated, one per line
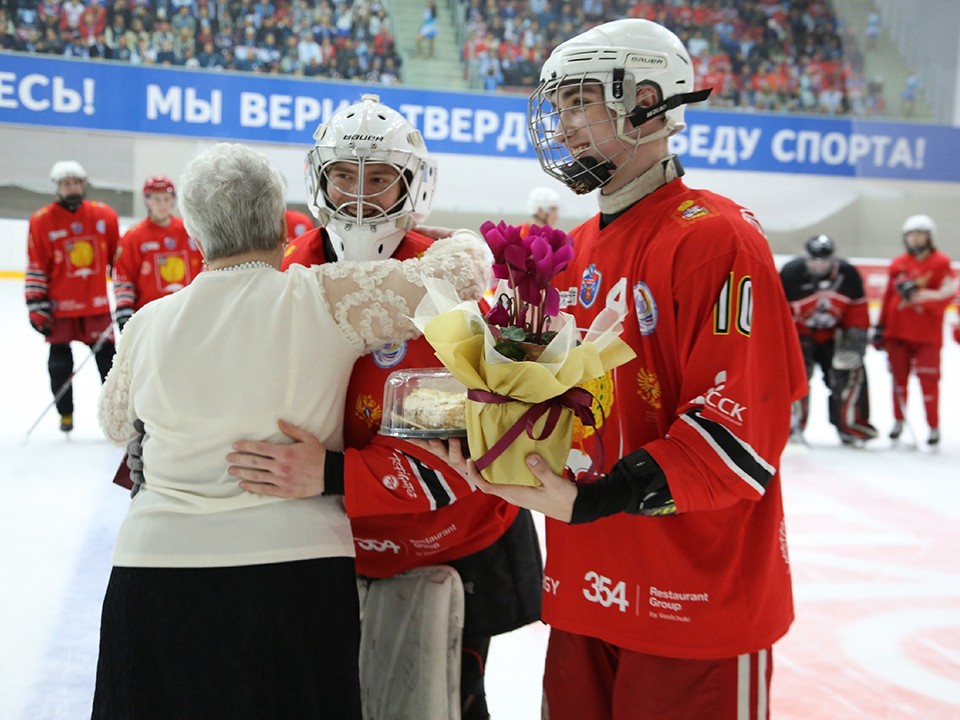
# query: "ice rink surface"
[873,534]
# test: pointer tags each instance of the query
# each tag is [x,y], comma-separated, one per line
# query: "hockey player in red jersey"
[667,580]
[920,287]
[156,256]
[830,311]
[70,246]
[372,183]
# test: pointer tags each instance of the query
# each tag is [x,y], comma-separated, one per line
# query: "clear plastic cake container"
[423,403]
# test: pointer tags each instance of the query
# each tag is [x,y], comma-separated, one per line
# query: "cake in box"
[423,403]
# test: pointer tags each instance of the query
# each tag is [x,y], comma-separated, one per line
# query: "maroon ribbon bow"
[576,398]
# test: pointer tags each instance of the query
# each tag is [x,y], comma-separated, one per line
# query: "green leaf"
[514,333]
[510,349]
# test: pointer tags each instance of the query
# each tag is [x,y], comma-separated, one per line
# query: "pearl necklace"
[250,264]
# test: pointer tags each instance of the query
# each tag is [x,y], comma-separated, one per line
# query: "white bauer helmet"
[64,169]
[622,56]
[368,133]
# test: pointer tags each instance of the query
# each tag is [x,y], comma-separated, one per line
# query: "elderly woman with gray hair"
[222,603]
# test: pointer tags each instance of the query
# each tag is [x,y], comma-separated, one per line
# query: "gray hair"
[232,201]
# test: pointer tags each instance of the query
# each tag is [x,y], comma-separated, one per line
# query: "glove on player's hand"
[877,337]
[122,316]
[40,316]
[906,289]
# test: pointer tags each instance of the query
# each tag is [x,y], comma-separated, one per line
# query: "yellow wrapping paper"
[464,344]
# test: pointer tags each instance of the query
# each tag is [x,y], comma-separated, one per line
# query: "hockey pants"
[924,360]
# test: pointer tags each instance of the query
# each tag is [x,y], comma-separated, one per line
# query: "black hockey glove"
[135,457]
[906,289]
[40,316]
[877,337]
[635,485]
[123,315]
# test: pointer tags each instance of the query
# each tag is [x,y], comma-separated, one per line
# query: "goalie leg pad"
[410,644]
[850,404]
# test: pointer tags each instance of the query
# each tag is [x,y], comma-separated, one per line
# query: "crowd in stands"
[341,39]
[770,55]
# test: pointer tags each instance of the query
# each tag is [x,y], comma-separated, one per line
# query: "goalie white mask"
[369,179]
[614,61]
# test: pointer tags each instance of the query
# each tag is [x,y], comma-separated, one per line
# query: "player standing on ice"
[667,579]
[371,182]
[70,246]
[156,256]
[920,287]
[830,312]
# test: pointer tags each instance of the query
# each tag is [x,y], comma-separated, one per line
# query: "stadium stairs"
[445,70]
[884,60]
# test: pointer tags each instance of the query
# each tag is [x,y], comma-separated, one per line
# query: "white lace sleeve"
[372,301]
[113,407]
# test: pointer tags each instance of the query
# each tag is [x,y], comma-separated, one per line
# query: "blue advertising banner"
[36,90]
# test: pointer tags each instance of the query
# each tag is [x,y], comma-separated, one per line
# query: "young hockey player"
[407,511]
[156,256]
[920,286]
[70,246]
[830,311]
[667,580]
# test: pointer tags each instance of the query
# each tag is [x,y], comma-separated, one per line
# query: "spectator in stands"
[874,24]
[70,13]
[908,97]
[209,57]
[428,30]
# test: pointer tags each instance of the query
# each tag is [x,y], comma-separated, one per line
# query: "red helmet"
[158,184]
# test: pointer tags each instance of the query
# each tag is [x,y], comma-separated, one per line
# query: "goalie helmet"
[64,169]
[621,56]
[919,223]
[366,134]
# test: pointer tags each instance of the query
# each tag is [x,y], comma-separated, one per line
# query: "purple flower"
[528,264]
[500,313]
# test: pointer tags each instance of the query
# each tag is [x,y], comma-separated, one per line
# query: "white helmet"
[622,56]
[919,223]
[64,169]
[542,198]
[369,133]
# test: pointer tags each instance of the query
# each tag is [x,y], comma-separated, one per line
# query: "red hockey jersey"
[821,305]
[153,261]
[708,396]
[915,322]
[406,508]
[69,256]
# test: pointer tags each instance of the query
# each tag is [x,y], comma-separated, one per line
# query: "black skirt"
[258,642]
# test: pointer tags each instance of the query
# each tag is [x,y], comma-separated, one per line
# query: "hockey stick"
[101,339]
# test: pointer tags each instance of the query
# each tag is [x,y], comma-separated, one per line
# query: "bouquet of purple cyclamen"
[522,361]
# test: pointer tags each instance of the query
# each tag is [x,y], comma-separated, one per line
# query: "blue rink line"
[64,687]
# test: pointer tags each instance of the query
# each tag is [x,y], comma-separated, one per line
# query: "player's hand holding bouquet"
[522,363]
